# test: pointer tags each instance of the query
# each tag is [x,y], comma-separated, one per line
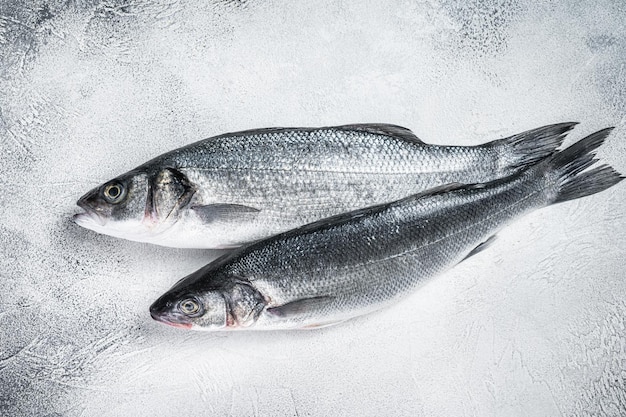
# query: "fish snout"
[163,312]
[92,210]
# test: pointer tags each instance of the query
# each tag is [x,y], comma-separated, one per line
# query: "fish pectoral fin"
[480,247]
[302,306]
[211,213]
[384,129]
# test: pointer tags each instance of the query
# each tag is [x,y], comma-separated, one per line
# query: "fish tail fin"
[567,175]
[527,148]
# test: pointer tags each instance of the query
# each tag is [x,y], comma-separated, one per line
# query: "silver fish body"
[356,263]
[236,188]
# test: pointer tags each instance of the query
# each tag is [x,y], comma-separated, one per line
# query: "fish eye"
[189,306]
[114,192]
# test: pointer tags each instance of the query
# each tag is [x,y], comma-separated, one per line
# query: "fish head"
[211,298]
[116,207]
[190,310]
[137,205]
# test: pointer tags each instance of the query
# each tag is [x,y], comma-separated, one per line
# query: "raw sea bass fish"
[352,264]
[240,187]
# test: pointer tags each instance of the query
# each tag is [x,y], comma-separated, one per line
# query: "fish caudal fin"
[567,170]
[527,148]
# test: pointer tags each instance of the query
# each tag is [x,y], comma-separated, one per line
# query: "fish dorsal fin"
[259,131]
[394,131]
[303,306]
[384,129]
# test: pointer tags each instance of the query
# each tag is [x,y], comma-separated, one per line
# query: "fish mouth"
[165,318]
[90,215]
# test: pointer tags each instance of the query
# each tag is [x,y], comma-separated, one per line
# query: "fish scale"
[231,189]
[358,262]
[355,276]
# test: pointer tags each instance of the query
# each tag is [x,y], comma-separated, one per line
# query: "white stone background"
[534,326]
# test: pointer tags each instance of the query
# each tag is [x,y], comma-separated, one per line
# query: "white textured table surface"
[533,326]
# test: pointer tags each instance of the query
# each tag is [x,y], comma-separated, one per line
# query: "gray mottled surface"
[535,325]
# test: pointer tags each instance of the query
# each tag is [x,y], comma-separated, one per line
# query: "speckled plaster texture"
[533,326]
